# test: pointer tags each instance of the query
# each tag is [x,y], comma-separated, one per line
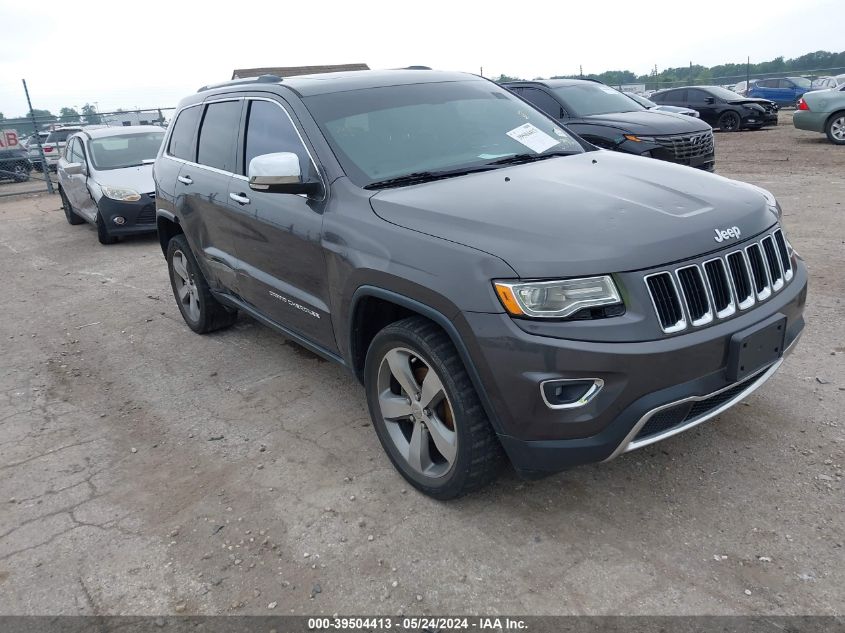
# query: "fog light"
[569,393]
[119,220]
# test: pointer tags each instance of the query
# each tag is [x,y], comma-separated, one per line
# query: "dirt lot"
[144,469]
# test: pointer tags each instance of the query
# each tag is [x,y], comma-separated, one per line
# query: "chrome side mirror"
[279,173]
[74,169]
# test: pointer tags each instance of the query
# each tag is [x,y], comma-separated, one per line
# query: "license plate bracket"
[756,347]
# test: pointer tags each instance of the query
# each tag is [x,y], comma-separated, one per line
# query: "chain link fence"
[32,142]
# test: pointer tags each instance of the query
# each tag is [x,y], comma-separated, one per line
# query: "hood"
[138,178]
[649,122]
[593,213]
[751,101]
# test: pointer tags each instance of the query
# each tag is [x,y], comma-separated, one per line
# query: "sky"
[151,54]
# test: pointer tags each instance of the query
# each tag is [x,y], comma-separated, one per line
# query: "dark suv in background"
[610,119]
[501,287]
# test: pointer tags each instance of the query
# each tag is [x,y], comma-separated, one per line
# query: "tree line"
[87,115]
[817,63]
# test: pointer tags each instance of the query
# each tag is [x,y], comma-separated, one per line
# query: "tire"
[729,121]
[21,173]
[102,232]
[70,214]
[835,128]
[445,449]
[201,311]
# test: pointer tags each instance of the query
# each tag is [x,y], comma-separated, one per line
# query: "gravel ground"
[147,470]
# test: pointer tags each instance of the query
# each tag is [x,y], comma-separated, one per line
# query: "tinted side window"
[785,83]
[269,130]
[543,101]
[218,136]
[697,97]
[182,138]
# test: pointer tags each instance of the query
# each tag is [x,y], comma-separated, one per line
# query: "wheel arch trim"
[437,317]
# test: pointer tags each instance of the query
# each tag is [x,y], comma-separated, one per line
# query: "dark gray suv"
[502,288]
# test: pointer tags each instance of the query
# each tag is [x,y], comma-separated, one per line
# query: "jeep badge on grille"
[727,234]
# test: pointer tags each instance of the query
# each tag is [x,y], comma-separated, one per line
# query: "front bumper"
[640,379]
[138,217]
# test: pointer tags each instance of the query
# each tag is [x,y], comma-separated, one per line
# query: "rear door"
[283,267]
[202,188]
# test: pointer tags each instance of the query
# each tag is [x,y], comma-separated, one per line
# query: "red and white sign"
[8,139]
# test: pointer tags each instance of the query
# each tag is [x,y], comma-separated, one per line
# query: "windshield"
[125,150]
[592,98]
[394,131]
[801,82]
[641,100]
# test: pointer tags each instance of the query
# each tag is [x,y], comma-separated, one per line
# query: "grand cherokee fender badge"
[727,234]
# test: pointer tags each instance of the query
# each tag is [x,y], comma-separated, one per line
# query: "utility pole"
[747,74]
[481,71]
[690,74]
[44,169]
[581,71]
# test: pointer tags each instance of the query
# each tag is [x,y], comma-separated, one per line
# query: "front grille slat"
[758,271]
[667,304]
[783,253]
[720,286]
[695,295]
[775,272]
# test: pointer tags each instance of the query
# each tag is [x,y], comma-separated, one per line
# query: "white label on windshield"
[533,138]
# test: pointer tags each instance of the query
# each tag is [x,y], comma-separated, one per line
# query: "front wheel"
[426,412]
[729,121]
[201,311]
[835,129]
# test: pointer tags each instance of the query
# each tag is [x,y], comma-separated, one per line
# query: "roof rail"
[261,79]
[416,68]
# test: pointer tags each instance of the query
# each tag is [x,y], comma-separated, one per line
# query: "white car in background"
[106,178]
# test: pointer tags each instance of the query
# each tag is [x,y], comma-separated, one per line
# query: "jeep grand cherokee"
[501,287]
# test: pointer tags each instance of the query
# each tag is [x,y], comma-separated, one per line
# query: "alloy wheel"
[417,413]
[837,129]
[186,287]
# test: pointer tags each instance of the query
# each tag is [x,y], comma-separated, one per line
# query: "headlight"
[121,193]
[556,299]
[639,139]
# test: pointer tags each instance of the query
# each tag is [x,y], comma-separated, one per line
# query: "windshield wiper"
[425,176]
[529,158]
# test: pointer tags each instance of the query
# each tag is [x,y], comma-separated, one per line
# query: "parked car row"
[613,120]
[503,288]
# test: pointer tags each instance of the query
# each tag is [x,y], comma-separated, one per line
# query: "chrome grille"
[686,146]
[694,295]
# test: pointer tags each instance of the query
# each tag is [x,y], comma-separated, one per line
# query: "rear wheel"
[21,173]
[426,412]
[70,215]
[835,129]
[201,311]
[729,121]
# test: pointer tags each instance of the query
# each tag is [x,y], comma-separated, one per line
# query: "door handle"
[187,180]
[239,198]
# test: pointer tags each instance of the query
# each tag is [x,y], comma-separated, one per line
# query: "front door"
[283,267]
